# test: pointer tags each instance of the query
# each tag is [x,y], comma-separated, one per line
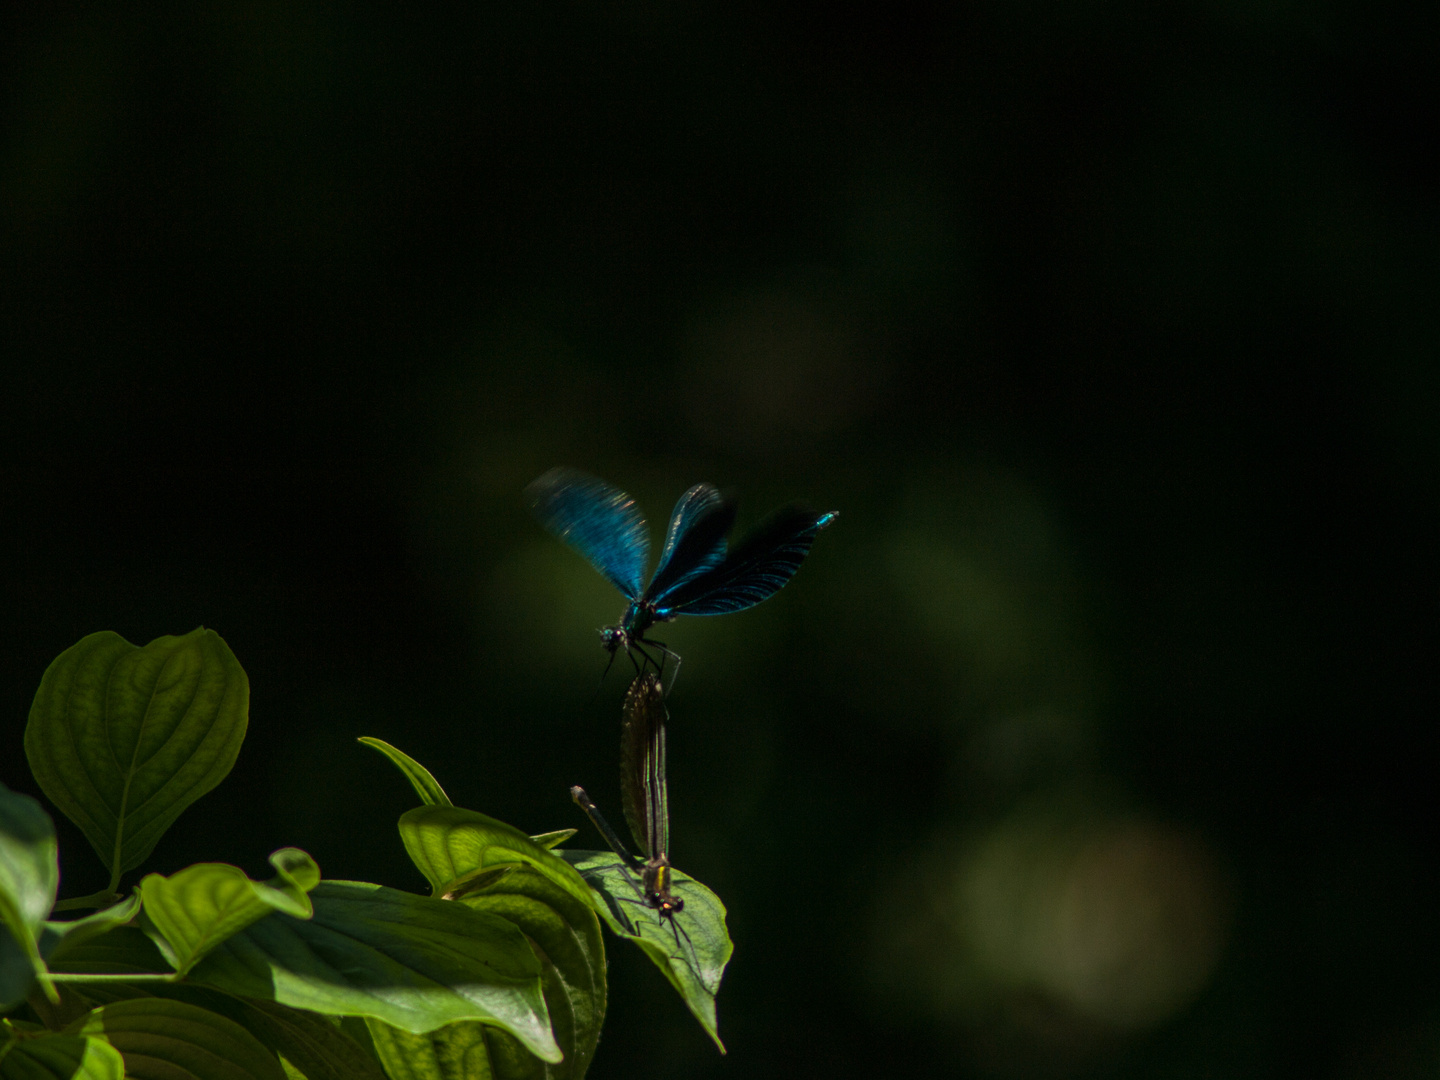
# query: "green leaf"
[691,950]
[59,938]
[60,1014]
[549,840]
[411,961]
[64,943]
[29,863]
[17,971]
[425,785]
[447,843]
[122,739]
[169,1040]
[29,877]
[125,950]
[315,1046]
[478,881]
[463,854]
[566,937]
[197,908]
[464,1051]
[50,1056]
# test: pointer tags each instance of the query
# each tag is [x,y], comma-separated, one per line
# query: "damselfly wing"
[698,574]
[645,796]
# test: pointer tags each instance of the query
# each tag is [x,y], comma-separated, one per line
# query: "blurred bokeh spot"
[1067,923]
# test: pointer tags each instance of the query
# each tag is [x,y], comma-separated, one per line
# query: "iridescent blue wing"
[757,569]
[695,541]
[695,504]
[598,521]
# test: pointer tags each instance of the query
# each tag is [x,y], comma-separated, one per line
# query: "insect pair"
[698,573]
[644,795]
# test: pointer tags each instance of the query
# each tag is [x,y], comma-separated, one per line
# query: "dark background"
[1092,739]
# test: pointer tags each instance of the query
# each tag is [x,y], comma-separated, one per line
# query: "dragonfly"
[645,797]
[698,573]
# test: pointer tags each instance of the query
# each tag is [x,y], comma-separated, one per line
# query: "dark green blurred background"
[1091,741]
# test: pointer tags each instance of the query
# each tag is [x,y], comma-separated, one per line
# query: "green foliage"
[500,973]
[426,786]
[61,939]
[160,1039]
[29,876]
[553,839]
[313,1046]
[122,739]
[411,961]
[460,852]
[198,908]
[447,844]
[17,971]
[125,950]
[456,1052]
[46,1055]
[691,950]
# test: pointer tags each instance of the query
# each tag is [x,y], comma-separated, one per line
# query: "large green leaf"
[162,1039]
[123,950]
[411,961]
[464,1051]
[425,785]
[566,937]
[691,950]
[312,1044]
[493,867]
[29,877]
[195,909]
[122,739]
[52,1056]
